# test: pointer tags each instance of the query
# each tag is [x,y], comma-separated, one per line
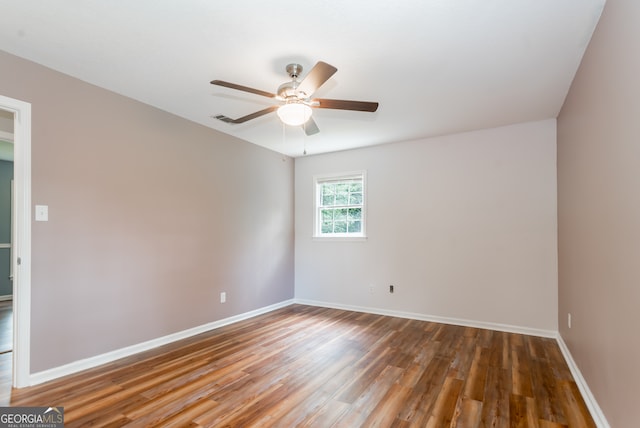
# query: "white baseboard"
[87,363]
[6,297]
[589,399]
[433,318]
[77,366]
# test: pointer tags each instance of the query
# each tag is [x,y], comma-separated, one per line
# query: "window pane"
[342,199]
[355,199]
[355,213]
[328,200]
[327,215]
[355,186]
[327,227]
[355,226]
[342,188]
[340,227]
[340,214]
[327,195]
[328,188]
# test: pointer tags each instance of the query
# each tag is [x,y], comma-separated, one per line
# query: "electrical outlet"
[391,289]
[371,288]
[569,319]
[223,297]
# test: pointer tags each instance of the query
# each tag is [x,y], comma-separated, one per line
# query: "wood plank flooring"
[6,354]
[6,326]
[304,366]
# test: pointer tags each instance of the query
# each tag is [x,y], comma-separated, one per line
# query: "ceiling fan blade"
[319,74]
[243,88]
[344,105]
[247,117]
[310,127]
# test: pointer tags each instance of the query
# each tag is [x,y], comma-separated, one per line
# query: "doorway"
[20,266]
[6,274]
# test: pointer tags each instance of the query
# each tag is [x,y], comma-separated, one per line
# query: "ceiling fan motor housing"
[288,91]
[294,70]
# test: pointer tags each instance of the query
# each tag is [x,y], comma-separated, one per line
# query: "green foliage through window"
[340,206]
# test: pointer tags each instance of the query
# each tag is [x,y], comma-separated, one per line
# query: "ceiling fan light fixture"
[296,97]
[294,114]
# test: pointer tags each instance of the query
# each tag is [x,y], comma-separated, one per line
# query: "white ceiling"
[435,66]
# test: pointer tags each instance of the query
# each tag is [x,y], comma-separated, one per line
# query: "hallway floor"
[6,343]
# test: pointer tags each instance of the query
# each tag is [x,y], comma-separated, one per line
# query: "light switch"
[42,213]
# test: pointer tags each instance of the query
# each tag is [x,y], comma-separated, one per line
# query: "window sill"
[339,238]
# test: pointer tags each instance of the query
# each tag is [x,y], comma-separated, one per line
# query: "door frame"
[21,260]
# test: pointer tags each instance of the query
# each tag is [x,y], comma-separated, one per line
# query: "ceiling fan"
[294,97]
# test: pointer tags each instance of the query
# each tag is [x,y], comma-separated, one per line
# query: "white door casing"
[21,259]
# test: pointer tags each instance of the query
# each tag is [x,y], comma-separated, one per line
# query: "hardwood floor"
[305,366]
[6,326]
[6,345]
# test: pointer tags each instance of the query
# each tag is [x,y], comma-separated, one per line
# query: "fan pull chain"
[304,139]
[284,142]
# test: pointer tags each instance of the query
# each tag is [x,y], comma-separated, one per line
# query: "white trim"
[87,363]
[22,243]
[589,399]
[339,176]
[5,245]
[6,297]
[434,318]
[6,136]
[334,238]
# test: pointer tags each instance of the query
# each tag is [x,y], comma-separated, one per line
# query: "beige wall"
[150,218]
[599,214]
[464,226]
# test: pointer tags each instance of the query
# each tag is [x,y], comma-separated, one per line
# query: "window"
[340,206]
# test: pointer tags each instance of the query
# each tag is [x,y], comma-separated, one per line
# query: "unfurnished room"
[319,214]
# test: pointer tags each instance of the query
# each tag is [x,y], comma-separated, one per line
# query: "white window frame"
[317,223]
